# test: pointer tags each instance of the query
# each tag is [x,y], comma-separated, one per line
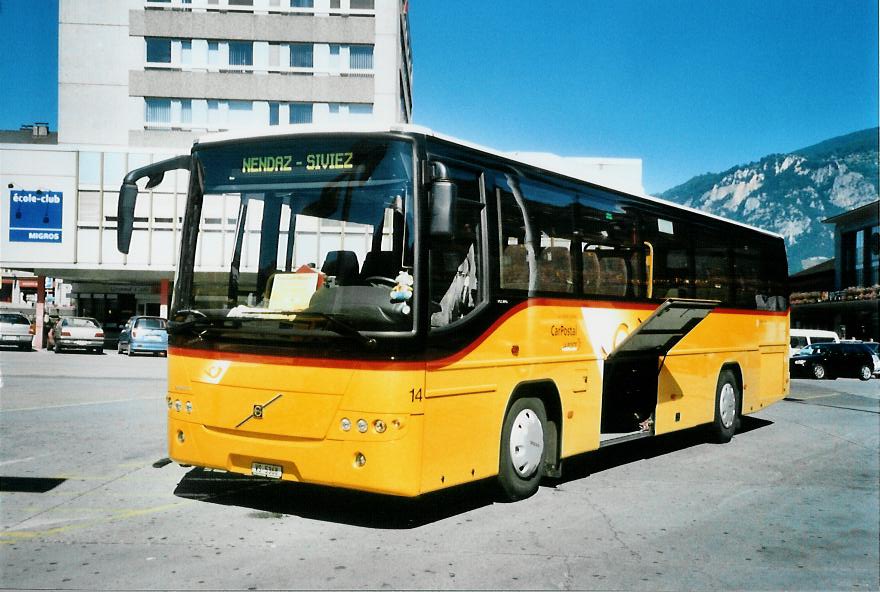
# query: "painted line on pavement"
[67,405]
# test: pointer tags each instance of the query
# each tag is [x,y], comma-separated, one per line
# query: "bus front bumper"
[387,466]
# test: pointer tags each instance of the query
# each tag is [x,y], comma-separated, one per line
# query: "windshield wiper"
[335,325]
[206,322]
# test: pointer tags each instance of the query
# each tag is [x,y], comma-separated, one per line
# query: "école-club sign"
[35,216]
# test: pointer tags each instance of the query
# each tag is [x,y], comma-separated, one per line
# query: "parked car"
[800,338]
[16,329]
[831,360]
[78,333]
[143,334]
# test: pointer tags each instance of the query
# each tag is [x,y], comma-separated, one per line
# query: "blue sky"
[687,86]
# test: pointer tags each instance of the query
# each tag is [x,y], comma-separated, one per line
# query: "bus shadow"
[275,499]
[584,465]
[329,504]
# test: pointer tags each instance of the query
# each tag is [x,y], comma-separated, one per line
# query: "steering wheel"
[378,279]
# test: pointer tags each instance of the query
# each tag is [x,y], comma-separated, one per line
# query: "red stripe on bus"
[391,365]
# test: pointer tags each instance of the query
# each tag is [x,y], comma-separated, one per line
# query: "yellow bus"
[395,311]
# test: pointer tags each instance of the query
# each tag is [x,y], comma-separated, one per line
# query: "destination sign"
[285,163]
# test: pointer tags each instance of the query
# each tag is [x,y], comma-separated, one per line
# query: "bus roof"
[313,128]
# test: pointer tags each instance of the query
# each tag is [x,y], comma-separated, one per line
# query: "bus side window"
[712,264]
[535,235]
[554,270]
[612,256]
[515,267]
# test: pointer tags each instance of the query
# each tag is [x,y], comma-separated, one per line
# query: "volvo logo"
[258,411]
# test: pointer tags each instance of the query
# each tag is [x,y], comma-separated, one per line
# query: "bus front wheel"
[727,397]
[523,448]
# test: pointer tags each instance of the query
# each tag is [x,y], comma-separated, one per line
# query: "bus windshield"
[309,233]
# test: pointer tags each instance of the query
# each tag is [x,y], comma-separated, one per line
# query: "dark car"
[143,334]
[832,360]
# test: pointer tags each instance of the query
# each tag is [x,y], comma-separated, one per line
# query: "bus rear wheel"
[727,399]
[523,449]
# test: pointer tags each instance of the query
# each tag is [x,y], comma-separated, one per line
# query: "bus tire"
[727,398]
[523,448]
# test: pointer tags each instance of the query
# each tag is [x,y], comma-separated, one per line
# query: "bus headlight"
[379,426]
[362,425]
[345,424]
[359,459]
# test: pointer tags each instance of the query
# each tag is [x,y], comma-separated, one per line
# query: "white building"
[166,71]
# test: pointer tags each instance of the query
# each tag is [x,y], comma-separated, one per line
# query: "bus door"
[459,391]
[630,379]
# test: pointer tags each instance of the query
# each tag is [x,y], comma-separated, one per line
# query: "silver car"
[78,333]
[15,329]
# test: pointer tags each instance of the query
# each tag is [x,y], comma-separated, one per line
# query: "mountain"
[791,194]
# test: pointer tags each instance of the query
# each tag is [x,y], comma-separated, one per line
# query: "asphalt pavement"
[87,503]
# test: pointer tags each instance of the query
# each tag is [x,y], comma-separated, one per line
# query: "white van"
[804,337]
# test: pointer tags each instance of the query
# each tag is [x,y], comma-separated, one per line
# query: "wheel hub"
[727,405]
[526,443]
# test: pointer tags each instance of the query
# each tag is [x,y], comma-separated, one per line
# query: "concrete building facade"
[167,71]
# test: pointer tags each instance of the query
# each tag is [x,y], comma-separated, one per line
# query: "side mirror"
[128,193]
[125,216]
[443,198]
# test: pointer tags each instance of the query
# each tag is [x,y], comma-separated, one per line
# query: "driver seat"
[343,265]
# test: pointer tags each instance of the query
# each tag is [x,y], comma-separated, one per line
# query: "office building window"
[241,114]
[89,168]
[360,111]
[186,48]
[158,111]
[335,4]
[186,111]
[158,51]
[301,55]
[213,53]
[214,119]
[241,2]
[241,53]
[302,3]
[300,113]
[362,4]
[274,112]
[361,57]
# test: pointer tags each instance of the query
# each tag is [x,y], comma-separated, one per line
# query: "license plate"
[153,338]
[264,470]
[81,342]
